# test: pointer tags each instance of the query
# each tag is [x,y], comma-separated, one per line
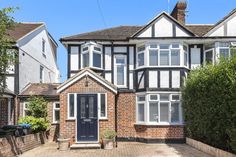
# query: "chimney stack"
[179,11]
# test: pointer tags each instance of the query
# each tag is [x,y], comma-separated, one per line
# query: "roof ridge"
[100,30]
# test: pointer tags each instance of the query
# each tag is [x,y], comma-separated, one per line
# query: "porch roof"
[83,73]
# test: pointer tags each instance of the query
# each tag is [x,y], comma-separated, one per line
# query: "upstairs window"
[185,55]
[97,57]
[91,56]
[85,57]
[140,56]
[41,74]
[44,47]
[120,70]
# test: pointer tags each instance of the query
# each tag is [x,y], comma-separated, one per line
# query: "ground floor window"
[159,108]
[56,112]
[26,111]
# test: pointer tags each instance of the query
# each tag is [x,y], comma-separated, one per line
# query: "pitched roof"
[83,73]
[40,89]
[169,17]
[114,33]
[223,19]
[199,30]
[22,29]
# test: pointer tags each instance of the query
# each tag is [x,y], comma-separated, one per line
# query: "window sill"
[103,119]
[72,119]
[160,124]
[55,123]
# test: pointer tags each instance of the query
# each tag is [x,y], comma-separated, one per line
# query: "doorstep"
[86,146]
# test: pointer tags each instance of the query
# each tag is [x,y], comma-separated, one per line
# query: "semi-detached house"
[128,78]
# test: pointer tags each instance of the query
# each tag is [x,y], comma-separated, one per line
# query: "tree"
[7,58]
[38,107]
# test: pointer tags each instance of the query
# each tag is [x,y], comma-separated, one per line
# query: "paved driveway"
[131,149]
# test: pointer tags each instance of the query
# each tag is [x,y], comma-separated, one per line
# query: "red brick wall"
[127,118]
[67,127]
[3,111]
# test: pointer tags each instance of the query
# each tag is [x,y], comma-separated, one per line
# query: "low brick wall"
[208,149]
[12,146]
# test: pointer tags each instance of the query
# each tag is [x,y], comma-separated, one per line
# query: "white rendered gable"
[225,28]
[163,26]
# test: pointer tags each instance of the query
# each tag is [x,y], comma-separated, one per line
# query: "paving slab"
[124,149]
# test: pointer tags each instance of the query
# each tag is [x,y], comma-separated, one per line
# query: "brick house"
[128,78]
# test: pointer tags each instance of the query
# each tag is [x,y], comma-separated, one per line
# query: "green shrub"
[37,124]
[232,136]
[209,104]
[37,107]
[109,134]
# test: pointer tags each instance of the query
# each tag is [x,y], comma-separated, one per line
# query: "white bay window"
[91,55]
[159,109]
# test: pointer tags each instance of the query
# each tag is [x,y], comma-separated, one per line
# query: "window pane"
[175,97]
[140,112]
[85,59]
[120,61]
[91,107]
[164,46]
[153,97]
[97,60]
[85,49]
[164,57]
[224,53]
[209,56]
[153,57]
[140,59]
[175,46]
[57,115]
[164,97]
[175,112]
[120,74]
[141,98]
[82,107]
[185,58]
[153,46]
[153,112]
[103,105]
[175,57]
[72,105]
[224,44]
[57,105]
[164,112]
[97,48]
[141,48]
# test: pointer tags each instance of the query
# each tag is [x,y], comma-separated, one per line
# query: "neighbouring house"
[48,91]
[36,53]
[128,78]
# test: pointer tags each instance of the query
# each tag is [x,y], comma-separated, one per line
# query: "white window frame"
[147,113]
[99,107]
[55,109]
[179,49]
[82,60]
[24,108]
[185,52]
[98,52]
[68,106]
[145,108]
[158,54]
[213,55]
[144,56]
[125,70]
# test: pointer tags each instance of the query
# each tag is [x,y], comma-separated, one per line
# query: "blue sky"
[68,17]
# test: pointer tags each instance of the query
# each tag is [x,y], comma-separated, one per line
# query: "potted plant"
[108,139]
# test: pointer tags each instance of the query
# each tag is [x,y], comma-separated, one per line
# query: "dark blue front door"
[87,117]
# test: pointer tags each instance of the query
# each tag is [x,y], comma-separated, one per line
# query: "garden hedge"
[209,104]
